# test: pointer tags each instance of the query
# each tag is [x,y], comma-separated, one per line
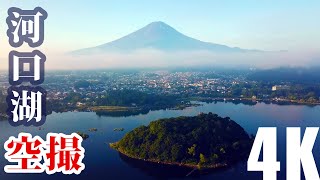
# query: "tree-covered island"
[203,141]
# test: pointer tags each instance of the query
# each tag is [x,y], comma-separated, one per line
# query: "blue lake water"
[102,161]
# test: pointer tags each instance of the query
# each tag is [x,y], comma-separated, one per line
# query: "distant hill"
[159,36]
[298,75]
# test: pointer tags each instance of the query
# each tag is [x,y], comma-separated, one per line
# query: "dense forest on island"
[206,140]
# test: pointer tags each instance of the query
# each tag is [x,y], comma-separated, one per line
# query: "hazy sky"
[267,24]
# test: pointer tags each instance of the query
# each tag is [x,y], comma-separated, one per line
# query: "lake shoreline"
[192,166]
[254,100]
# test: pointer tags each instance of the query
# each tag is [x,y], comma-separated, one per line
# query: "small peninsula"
[203,141]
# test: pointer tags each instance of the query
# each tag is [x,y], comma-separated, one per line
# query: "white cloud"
[149,58]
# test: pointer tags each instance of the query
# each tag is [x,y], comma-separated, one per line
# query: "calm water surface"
[100,160]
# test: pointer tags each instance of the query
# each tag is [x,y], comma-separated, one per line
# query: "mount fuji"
[159,36]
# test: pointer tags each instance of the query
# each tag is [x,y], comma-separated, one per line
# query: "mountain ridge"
[159,36]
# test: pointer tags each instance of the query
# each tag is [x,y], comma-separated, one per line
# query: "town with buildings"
[86,88]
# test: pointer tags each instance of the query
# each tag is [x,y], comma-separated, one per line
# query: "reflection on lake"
[100,160]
